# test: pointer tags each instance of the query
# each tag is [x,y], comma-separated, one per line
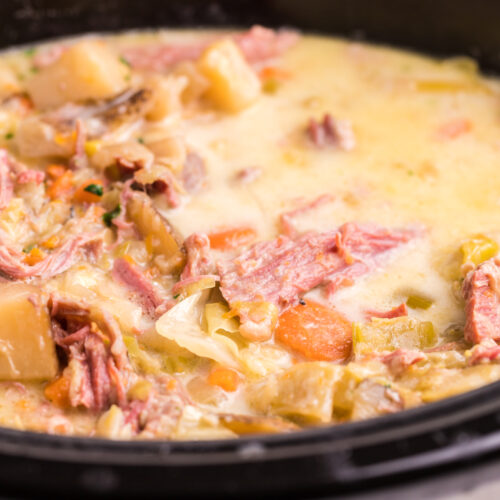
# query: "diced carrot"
[315,331]
[61,187]
[85,196]
[34,256]
[52,242]
[57,392]
[232,238]
[55,171]
[274,73]
[224,378]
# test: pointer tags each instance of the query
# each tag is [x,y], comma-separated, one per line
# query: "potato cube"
[8,82]
[233,85]
[27,351]
[87,70]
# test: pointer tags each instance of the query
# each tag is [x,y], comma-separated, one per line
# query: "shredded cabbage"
[182,325]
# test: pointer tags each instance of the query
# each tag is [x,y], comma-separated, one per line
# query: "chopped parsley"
[176,296]
[94,189]
[108,217]
[140,140]
[125,61]
[30,52]
[28,248]
[9,135]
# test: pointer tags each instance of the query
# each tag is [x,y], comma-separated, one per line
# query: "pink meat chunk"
[399,360]
[481,292]
[98,366]
[131,276]
[281,270]
[395,312]
[12,263]
[198,260]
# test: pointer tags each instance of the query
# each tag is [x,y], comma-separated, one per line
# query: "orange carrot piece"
[274,73]
[52,242]
[34,256]
[55,171]
[82,196]
[61,187]
[232,238]
[316,332]
[57,392]
[224,378]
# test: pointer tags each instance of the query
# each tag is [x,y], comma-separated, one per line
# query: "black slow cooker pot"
[426,451]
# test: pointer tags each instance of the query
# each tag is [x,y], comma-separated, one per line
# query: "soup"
[206,234]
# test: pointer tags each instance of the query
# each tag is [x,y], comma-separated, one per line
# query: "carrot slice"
[61,187]
[85,193]
[224,378]
[58,392]
[316,332]
[232,238]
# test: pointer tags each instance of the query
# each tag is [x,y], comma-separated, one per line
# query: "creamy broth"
[420,154]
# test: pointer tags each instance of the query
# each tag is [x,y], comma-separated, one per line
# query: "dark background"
[438,26]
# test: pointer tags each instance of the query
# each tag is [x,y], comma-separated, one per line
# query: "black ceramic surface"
[441,438]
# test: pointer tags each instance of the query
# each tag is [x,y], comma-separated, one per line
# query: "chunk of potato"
[8,82]
[167,93]
[87,70]
[35,139]
[233,85]
[27,351]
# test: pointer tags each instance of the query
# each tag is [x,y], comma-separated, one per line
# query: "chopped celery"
[303,392]
[451,86]
[391,334]
[419,302]
[478,249]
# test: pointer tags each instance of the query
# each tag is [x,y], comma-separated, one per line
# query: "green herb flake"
[108,217]
[125,61]
[140,140]
[176,296]
[94,189]
[28,248]
[30,52]
[9,135]
[34,70]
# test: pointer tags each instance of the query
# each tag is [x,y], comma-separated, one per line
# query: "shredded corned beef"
[399,360]
[30,175]
[12,263]
[131,276]
[395,312]
[331,132]
[98,366]
[485,352]
[198,261]
[481,291]
[281,270]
